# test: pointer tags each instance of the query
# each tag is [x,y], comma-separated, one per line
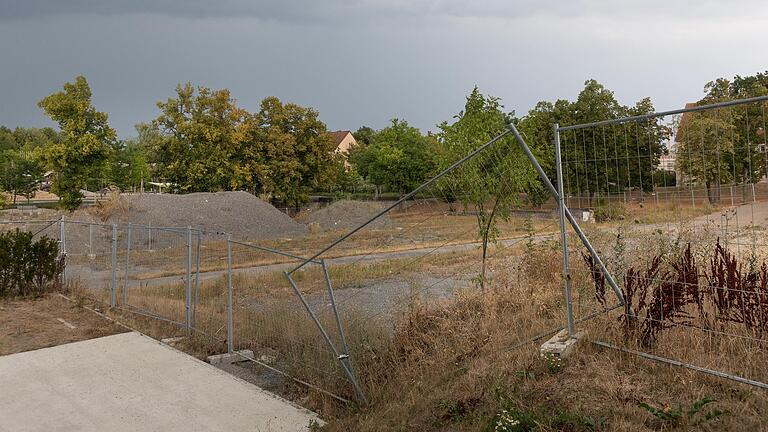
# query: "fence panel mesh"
[681,203]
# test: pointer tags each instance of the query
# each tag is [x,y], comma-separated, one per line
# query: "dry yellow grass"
[456,363]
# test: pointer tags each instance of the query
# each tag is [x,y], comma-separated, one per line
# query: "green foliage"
[587,152]
[21,176]
[28,267]
[87,142]
[293,152]
[678,416]
[127,165]
[397,157]
[207,143]
[203,132]
[364,135]
[491,182]
[606,210]
[20,169]
[721,145]
[663,178]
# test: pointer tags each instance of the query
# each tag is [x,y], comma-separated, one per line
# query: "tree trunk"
[486,237]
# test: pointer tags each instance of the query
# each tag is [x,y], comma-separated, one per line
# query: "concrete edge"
[68,343]
[129,330]
[251,386]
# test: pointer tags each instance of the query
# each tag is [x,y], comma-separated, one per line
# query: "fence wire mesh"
[418,283]
[681,203]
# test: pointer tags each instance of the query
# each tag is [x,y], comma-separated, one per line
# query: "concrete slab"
[129,382]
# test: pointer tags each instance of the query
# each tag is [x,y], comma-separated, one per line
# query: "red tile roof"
[338,136]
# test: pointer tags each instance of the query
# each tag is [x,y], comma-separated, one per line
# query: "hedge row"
[29,267]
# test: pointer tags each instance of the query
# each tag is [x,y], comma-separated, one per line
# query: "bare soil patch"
[30,324]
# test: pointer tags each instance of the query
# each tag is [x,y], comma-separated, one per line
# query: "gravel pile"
[345,215]
[238,213]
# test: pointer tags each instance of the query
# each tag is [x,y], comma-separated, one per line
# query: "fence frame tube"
[113,297]
[564,237]
[346,357]
[683,364]
[347,371]
[188,293]
[230,305]
[63,248]
[127,263]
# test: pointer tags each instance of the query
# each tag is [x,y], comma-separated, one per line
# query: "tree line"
[202,140]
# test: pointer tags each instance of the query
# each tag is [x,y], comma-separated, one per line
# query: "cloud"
[337,11]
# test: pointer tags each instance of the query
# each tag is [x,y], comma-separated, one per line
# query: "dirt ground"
[52,320]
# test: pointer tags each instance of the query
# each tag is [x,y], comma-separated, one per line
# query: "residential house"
[343,140]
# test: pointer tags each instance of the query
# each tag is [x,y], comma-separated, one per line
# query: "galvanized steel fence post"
[113,297]
[344,357]
[563,236]
[63,248]
[196,298]
[188,294]
[127,263]
[230,320]
[90,241]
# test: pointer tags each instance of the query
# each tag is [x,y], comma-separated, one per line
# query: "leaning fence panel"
[679,203]
[279,328]
[458,268]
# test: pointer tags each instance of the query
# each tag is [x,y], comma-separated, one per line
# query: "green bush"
[605,211]
[29,267]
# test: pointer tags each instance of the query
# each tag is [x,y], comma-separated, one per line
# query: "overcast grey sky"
[364,62]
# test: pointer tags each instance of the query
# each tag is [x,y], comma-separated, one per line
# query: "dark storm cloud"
[364,62]
[332,11]
[279,10]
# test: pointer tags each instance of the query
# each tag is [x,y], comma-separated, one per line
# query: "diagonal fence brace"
[331,346]
[568,215]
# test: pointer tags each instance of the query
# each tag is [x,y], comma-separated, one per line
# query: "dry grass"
[29,324]
[112,206]
[462,363]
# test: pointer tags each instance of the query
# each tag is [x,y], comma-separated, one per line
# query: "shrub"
[29,267]
[605,211]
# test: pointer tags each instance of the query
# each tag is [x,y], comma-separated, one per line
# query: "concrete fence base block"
[172,340]
[228,358]
[561,345]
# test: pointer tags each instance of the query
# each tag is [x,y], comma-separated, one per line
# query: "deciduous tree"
[87,141]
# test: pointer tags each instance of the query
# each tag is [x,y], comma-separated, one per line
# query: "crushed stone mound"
[346,215]
[238,213]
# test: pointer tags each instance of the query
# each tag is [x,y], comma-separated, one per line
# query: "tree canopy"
[208,143]
[86,145]
[398,157]
[492,182]
[604,159]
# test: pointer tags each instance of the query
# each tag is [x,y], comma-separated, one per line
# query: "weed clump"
[664,294]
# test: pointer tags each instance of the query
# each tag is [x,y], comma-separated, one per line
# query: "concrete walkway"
[129,382]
